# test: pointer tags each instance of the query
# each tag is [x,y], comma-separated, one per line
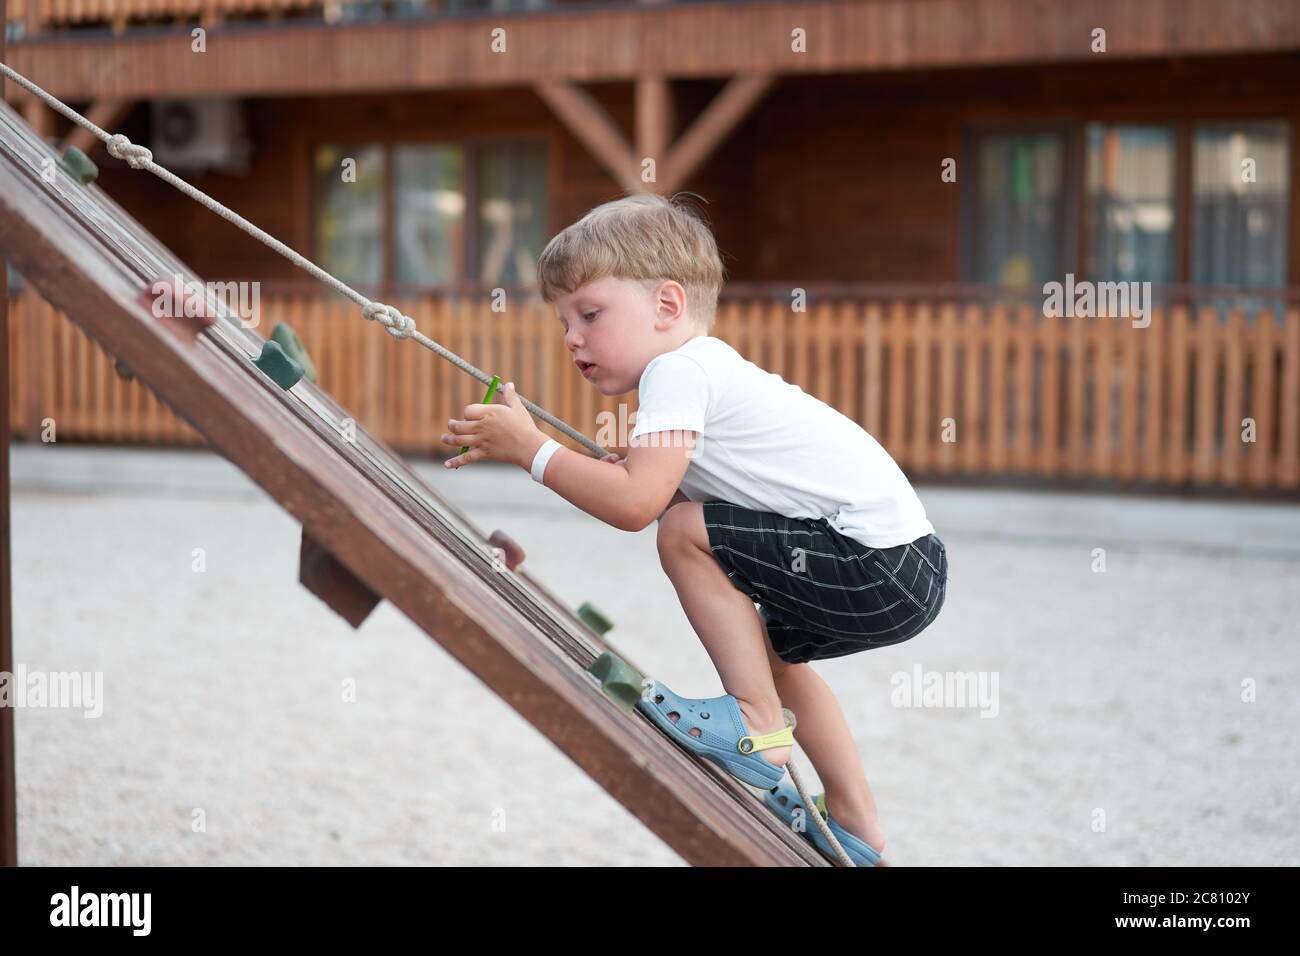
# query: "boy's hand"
[503,432]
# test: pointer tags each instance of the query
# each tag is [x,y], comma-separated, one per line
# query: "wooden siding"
[672,40]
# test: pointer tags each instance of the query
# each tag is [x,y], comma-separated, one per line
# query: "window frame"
[1183,124]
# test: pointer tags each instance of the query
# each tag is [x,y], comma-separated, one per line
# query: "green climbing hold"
[621,681]
[594,619]
[78,166]
[277,366]
[287,338]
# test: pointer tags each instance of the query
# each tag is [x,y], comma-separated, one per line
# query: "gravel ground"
[1149,714]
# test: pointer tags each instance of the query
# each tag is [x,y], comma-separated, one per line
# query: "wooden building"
[920,168]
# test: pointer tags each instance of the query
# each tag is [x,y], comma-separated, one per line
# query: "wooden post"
[8,791]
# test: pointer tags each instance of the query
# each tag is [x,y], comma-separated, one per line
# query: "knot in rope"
[119,147]
[399,326]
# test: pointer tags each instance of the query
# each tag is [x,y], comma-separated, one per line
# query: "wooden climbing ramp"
[371,528]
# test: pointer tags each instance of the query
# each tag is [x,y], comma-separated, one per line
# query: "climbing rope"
[810,808]
[399,326]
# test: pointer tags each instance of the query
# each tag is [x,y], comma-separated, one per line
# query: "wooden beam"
[712,126]
[8,788]
[592,126]
[654,120]
[369,509]
[330,580]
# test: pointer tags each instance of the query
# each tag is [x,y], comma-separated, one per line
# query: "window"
[512,231]
[348,238]
[451,213]
[1130,198]
[430,210]
[1239,226]
[1017,210]
[1171,203]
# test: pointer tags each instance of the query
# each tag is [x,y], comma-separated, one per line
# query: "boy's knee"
[674,527]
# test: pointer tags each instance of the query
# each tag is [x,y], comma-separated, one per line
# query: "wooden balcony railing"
[44,15]
[951,388]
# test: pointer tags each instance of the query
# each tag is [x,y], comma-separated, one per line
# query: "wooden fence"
[1200,396]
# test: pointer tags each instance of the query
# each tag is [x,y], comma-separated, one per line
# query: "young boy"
[762,492]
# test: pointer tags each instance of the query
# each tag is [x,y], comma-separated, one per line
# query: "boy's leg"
[736,639]
[724,618]
[824,735]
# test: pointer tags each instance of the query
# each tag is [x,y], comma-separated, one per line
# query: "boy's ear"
[672,296]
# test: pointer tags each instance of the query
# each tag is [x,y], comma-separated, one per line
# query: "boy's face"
[613,328]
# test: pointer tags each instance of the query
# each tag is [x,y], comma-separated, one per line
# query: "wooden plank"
[1025,336]
[330,580]
[799,325]
[376,517]
[1261,469]
[1152,390]
[896,337]
[972,408]
[997,427]
[1178,409]
[1288,464]
[1207,367]
[1049,460]
[1075,395]
[1233,382]
[946,451]
[923,429]
[8,787]
[1102,328]
[872,386]
[841,348]
[1131,343]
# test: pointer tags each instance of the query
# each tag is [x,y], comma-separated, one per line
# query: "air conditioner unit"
[200,134]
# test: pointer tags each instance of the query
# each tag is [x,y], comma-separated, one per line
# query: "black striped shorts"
[821,593]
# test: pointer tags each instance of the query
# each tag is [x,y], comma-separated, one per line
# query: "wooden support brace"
[329,579]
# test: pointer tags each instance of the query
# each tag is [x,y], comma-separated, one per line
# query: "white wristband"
[542,457]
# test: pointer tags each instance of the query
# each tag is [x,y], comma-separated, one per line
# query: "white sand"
[1119,693]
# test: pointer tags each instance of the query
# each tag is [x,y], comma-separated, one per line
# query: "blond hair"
[644,238]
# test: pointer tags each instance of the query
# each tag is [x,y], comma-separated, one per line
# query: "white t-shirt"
[767,445]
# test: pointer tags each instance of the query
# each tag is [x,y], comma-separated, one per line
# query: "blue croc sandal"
[784,801]
[723,738]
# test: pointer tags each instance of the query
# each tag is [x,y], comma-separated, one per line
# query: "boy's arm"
[630,494]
